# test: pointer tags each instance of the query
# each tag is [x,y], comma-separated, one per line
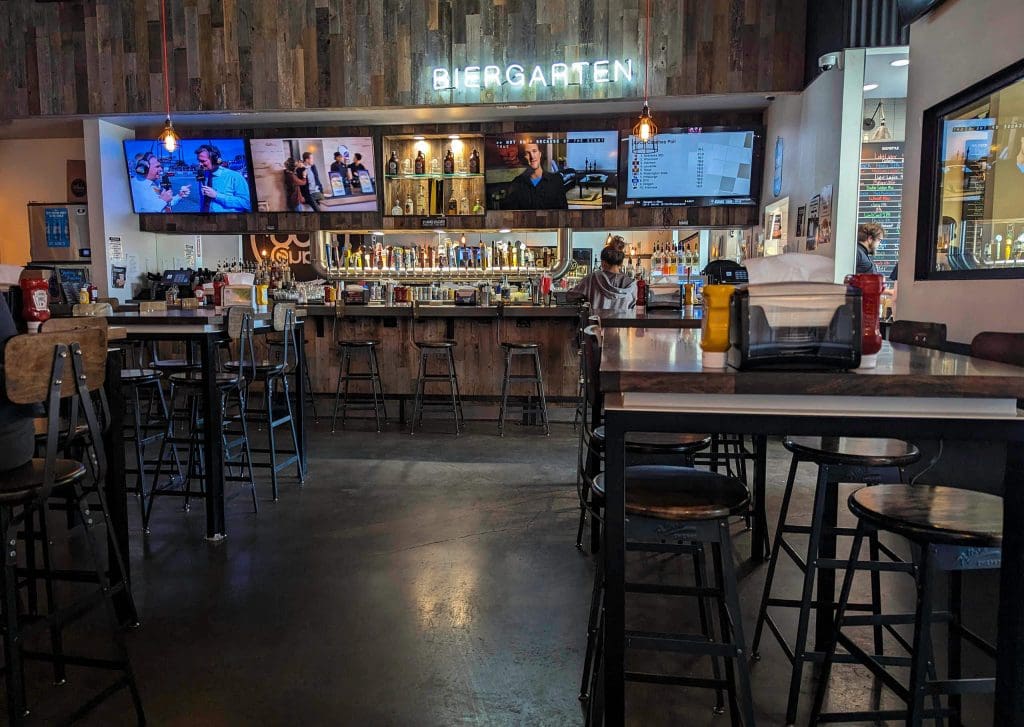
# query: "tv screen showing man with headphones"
[549,171]
[204,176]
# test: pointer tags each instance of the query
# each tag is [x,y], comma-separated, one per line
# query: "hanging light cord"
[163,43]
[646,56]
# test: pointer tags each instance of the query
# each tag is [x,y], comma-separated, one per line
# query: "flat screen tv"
[575,170]
[202,176]
[312,174]
[695,167]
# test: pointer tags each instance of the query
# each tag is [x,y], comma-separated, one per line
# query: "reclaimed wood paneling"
[103,56]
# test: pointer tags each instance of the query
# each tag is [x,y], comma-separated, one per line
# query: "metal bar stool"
[954,531]
[342,400]
[530,408]
[147,425]
[839,459]
[270,374]
[275,345]
[75,361]
[678,510]
[232,391]
[427,350]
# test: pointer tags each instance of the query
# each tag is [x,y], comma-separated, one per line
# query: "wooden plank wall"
[619,218]
[103,56]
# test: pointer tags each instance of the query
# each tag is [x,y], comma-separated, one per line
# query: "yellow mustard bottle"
[714,326]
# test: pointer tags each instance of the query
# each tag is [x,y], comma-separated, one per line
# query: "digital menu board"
[333,174]
[558,170]
[205,176]
[693,167]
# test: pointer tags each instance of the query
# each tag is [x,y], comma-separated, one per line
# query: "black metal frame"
[1009,701]
[931,178]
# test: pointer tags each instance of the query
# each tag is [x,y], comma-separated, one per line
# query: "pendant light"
[645,132]
[168,137]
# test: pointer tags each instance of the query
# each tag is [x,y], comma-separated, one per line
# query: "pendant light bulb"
[169,137]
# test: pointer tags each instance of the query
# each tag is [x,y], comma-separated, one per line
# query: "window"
[971,218]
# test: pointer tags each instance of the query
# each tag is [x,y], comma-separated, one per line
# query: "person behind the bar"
[869,237]
[17,435]
[149,191]
[223,189]
[535,189]
[293,183]
[608,289]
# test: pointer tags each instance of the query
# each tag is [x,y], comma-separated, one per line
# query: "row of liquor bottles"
[669,259]
[450,164]
[430,199]
[447,256]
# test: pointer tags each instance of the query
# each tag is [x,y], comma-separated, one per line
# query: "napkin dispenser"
[465,296]
[795,326]
[664,297]
[355,295]
[243,295]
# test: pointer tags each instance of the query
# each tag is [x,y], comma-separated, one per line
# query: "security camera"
[828,61]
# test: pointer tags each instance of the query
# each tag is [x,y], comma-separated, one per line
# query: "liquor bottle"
[396,210]
[672,262]
[407,166]
[449,162]
[421,203]
[393,164]
[435,166]
[464,205]
[474,162]
[409,209]
[453,205]
[421,163]
[478,209]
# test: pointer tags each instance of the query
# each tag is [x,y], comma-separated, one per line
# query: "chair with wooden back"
[998,346]
[54,368]
[91,309]
[918,333]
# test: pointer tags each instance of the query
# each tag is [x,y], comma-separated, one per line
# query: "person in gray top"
[608,289]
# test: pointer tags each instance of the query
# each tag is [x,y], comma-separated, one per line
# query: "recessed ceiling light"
[870,86]
[377,232]
[504,230]
[419,138]
[900,63]
[453,136]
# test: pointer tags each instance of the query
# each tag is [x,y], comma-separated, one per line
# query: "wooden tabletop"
[669,361]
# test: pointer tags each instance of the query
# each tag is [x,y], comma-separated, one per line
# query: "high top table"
[204,328]
[653,381]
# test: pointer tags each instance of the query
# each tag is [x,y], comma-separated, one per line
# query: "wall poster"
[824,230]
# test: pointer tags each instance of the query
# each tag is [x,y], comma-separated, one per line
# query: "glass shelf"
[434,176]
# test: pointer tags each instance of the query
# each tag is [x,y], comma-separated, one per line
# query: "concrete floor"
[422,580]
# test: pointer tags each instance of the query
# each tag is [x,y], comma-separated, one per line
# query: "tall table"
[204,329]
[653,381]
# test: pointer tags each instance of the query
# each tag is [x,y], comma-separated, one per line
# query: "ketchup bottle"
[35,302]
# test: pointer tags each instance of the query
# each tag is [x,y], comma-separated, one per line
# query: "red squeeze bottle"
[35,302]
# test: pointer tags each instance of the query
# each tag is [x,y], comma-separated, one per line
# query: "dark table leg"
[213,443]
[115,491]
[1009,702]
[614,549]
[759,531]
[300,391]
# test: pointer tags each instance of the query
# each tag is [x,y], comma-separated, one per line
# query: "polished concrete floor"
[427,580]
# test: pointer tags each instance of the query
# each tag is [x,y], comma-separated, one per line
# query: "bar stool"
[954,531]
[681,509]
[530,409]
[185,399]
[346,351]
[839,459]
[147,425]
[446,350]
[75,362]
[275,345]
[270,374]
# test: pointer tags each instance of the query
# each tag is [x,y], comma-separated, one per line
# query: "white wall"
[31,170]
[110,207]
[942,64]
[816,142]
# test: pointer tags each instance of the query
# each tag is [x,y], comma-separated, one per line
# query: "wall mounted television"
[315,174]
[575,170]
[202,176]
[695,167]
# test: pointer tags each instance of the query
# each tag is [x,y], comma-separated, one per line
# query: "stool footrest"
[680,681]
[687,643]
